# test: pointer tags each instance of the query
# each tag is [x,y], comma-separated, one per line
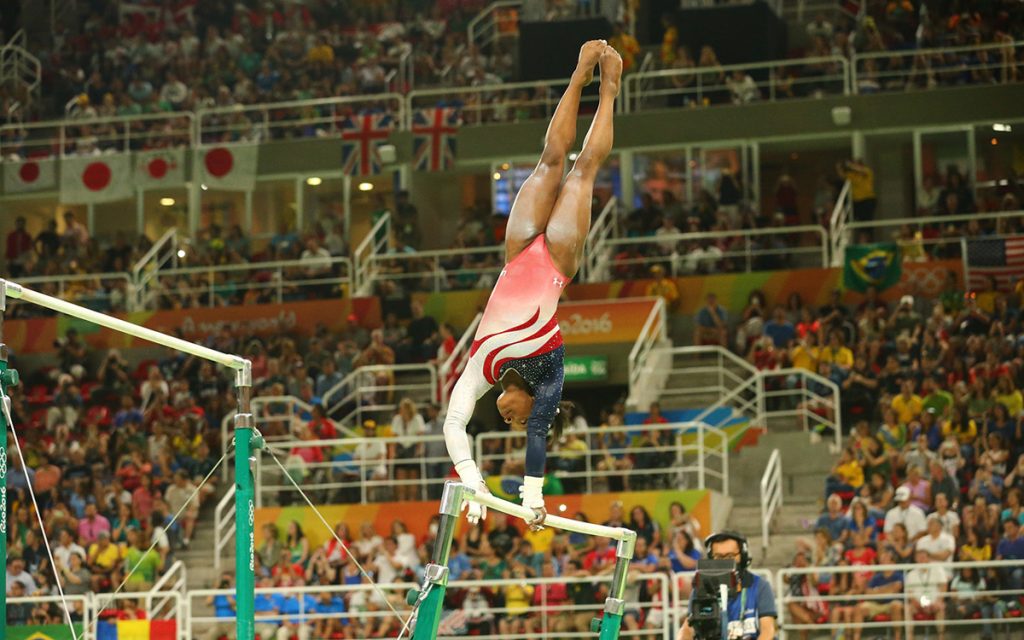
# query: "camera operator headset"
[752,611]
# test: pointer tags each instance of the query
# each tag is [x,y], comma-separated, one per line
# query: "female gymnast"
[518,343]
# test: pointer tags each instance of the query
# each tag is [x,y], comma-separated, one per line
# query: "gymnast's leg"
[533,204]
[569,223]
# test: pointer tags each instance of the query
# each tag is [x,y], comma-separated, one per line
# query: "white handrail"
[173,582]
[370,246]
[427,265]
[455,364]
[829,402]
[223,525]
[839,222]
[646,358]
[925,56]
[473,29]
[147,268]
[595,254]
[771,496]
[358,391]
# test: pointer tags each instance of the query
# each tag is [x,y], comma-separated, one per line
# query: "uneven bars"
[15,290]
[558,522]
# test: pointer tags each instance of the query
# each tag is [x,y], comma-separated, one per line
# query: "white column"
[626,180]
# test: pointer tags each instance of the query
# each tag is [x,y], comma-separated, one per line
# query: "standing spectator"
[180,497]
[76,236]
[19,248]
[925,585]
[712,323]
[627,46]
[406,424]
[862,188]
[663,286]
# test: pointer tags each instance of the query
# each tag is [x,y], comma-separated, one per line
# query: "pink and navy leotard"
[519,331]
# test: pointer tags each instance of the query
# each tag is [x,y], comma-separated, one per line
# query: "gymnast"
[518,343]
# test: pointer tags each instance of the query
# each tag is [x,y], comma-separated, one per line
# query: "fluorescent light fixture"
[167,202]
[203,187]
[1005,128]
[314,181]
[366,186]
[181,253]
[496,176]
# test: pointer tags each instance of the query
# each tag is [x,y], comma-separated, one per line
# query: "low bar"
[556,522]
[16,291]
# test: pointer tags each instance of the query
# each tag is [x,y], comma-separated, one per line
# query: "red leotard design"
[520,320]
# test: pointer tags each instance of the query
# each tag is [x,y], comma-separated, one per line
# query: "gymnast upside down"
[518,343]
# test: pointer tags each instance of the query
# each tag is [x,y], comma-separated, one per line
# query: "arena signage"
[586,368]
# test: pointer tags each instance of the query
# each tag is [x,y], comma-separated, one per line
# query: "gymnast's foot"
[590,53]
[611,71]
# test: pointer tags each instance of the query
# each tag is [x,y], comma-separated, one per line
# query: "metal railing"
[346,475]
[681,603]
[649,359]
[488,26]
[86,604]
[921,607]
[838,224]
[19,65]
[374,244]
[596,253]
[86,136]
[990,222]
[745,250]
[145,271]
[690,455]
[768,81]
[453,366]
[96,291]
[291,119]
[771,497]
[267,282]
[435,270]
[166,598]
[811,399]
[979,64]
[497,103]
[559,618]
[224,527]
[360,395]
[732,383]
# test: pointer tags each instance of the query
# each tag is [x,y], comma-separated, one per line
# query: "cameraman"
[752,609]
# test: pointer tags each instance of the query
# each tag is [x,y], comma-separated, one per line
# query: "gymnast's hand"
[475,512]
[533,499]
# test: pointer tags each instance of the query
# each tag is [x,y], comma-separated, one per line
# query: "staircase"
[21,73]
[804,467]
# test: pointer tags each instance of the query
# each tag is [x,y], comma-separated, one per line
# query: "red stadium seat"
[87,388]
[882,617]
[39,394]
[37,419]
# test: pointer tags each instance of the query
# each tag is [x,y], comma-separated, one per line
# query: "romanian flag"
[137,630]
[43,632]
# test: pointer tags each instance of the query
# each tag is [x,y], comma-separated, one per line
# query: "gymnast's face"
[514,405]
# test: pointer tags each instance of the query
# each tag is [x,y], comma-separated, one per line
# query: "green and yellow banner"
[872,265]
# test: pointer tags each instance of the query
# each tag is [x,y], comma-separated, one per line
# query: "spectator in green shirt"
[141,566]
[936,398]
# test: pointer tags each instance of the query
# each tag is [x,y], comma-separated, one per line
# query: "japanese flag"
[230,167]
[30,175]
[92,179]
[159,168]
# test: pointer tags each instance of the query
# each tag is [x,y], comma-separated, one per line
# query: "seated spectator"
[906,514]
[881,597]
[834,521]
[925,586]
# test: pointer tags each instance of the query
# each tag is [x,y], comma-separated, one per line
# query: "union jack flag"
[434,138]
[362,135]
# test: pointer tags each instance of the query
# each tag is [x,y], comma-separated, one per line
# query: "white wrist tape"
[469,473]
[533,496]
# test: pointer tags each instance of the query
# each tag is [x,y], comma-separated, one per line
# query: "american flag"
[999,258]
[361,136]
[434,138]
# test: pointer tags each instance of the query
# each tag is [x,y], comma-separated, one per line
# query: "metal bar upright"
[8,377]
[615,605]
[246,441]
[427,602]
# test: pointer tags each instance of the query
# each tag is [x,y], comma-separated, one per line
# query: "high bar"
[558,522]
[15,290]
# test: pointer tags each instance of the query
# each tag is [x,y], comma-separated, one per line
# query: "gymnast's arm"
[470,387]
[547,395]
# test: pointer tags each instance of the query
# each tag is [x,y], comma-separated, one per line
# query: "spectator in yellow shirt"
[1007,396]
[836,353]
[907,404]
[321,54]
[669,41]
[662,286]
[847,474]
[625,44]
[862,187]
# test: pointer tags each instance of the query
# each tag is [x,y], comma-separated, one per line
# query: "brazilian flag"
[872,265]
[43,632]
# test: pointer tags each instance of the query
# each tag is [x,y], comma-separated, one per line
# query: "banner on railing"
[137,630]
[434,138]
[43,631]
[362,135]
[417,515]
[230,167]
[96,179]
[160,168]
[30,175]
[872,265]
[37,335]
